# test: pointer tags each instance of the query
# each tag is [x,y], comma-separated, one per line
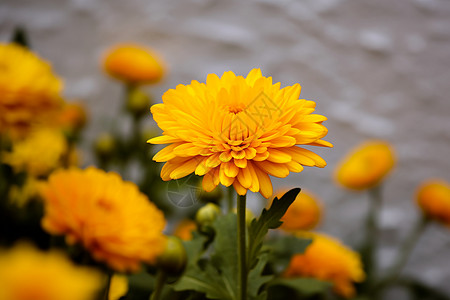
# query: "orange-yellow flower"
[29,91]
[433,197]
[237,131]
[366,166]
[108,216]
[303,214]
[184,229]
[327,259]
[29,274]
[134,64]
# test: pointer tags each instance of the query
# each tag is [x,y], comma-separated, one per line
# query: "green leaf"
[284,247]
[303,286]
[218,277]
[256,279]
[269,219]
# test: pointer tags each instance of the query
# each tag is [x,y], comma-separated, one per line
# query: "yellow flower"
[366,166]
[29,91]
[433,197]
[303,214]
[39,153]
[184,229]
[110,217]
[29,274]
[118,287]
[327,259]
[237,131]
[134,64]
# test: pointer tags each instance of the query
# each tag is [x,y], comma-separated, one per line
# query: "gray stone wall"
[377,69]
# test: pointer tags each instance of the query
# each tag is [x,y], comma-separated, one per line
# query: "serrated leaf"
[269,219]
[256,279]
[207,281]
[304,286]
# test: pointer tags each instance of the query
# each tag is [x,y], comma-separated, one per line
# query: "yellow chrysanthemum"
[327,259]
[237,131]
[303,214]
[110,217]
[433,197]
[184,229]
[39,153]
[118,287]
[366,166]
[29,91]
[29,274]
[134,64]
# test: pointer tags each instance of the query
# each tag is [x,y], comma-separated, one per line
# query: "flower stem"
[403,254]
[242,279]
[160,281]
[368,251]
[108,285]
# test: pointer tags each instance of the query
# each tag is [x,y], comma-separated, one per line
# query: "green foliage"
[303,286]
[283,248]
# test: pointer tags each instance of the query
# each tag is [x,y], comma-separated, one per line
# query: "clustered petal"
[29,91]
[107,215]
[237,131]
[328,259]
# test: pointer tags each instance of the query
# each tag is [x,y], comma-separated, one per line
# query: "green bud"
[173,260]
[138,102]
[105,145]
[207,215]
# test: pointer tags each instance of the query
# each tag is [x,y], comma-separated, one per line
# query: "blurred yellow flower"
[39,153]
[29,274]
[328,259]
[184,229]
[433,197]
[303,214]
[29,91]
[134,64]
[118,287]
[237,131]
[110,217]
[366,166]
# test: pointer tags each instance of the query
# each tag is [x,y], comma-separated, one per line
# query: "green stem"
[372,232]
[404,253]
[160,281]
[242,227]
[108,285]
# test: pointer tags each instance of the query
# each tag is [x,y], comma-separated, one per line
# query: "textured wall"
[377,69]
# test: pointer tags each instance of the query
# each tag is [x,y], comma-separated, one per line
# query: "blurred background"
[377,69]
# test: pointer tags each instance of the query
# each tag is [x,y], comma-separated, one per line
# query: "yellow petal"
[241,163]
[225,156]
[239,188]
[208,182]
[224,179]
[164,139]
[230,169]
[185,168]
[278,156]
[213,161]
[245,177]
[277,170]
[282,142]
[265,185]
[166,153]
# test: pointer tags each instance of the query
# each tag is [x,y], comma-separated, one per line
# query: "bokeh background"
[377,69]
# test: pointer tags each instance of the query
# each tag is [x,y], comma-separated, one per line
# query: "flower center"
[235,108]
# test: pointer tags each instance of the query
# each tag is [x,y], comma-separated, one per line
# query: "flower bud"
[105,146]
[173,260]
[138,102]
[207,215]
